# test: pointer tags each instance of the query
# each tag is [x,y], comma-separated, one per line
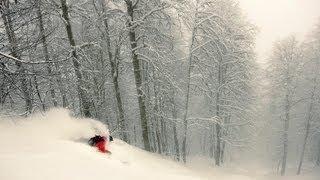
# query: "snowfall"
[52,146]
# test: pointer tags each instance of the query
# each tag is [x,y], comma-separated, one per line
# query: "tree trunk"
[153,138]
[307,126]
[223,149]
[164,133]
[60,84]
[176,142]
[158,136]
[217,152]
[286,123]
[84,101]
[222,152]
[36,85]
[212,139]
[318,158]
[115,75]
[46,54]
[2,89]
[164,138]
[156,112]
[6,84]
[285,136]
[137,76]
[174,128]
[212,132]
[62,90]
[121,121]
[186,107]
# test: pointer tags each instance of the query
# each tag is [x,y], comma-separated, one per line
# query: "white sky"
[279,18]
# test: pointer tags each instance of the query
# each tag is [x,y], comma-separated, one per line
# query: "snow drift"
[47,147]
[55,124]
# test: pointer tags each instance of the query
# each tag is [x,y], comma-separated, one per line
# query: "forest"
[180,78]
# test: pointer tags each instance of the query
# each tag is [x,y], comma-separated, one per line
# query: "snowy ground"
[48,148]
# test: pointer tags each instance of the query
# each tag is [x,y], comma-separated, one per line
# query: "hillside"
[52,147]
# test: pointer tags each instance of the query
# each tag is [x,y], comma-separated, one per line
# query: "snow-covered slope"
[49,147]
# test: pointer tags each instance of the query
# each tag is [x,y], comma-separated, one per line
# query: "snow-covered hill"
[49,147]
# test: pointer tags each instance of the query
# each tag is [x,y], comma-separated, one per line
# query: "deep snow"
[49,147]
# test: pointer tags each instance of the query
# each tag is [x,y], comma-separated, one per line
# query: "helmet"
[110,138]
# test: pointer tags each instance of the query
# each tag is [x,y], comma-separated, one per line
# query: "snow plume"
[56,124]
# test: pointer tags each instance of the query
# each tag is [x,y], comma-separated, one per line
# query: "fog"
[279,18]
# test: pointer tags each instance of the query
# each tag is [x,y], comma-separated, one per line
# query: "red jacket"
[102,146]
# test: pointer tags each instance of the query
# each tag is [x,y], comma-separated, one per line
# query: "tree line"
[293,75]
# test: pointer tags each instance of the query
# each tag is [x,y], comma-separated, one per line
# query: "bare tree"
[13,46]
[85,102]
[114,62]
[284,71]
[308,122]
[46,53]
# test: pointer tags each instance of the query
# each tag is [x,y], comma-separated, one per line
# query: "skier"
[100,142]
